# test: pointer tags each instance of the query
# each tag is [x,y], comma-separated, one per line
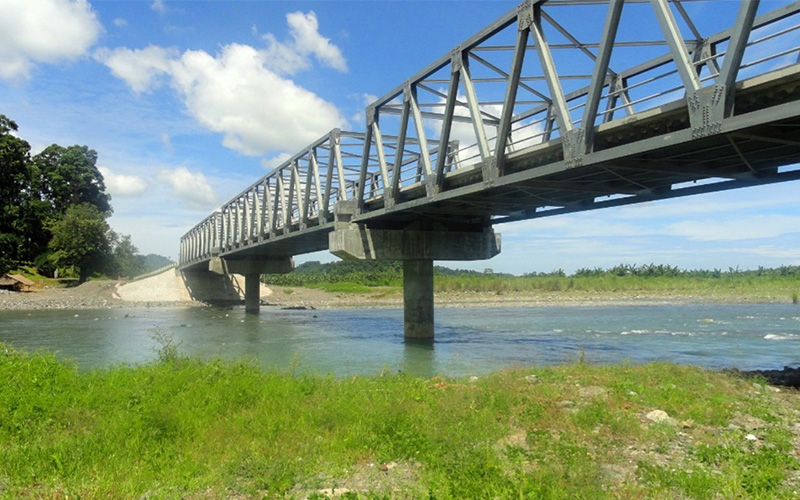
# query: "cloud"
[751,227]
[158,6]
[140,68]
[254,108]
[275,161]
[166,141]
[241,91]
[293,56]
[43,31]
[120,22]
[189,186]
[123,185]
[305,31]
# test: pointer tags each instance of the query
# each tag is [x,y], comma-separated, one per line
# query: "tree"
[83,239]
[127,261]
[14,187]
[69,176]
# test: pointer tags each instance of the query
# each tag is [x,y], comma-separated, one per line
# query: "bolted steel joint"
[372,114]
[456,60]
[525,15]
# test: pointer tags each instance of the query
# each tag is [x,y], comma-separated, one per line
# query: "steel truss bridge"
[558,106]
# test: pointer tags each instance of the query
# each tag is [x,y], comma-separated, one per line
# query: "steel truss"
[538,115]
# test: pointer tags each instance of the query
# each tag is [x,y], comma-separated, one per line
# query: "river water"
[469,341]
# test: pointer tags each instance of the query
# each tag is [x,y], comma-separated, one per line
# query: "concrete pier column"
[418,298]
[252,293]
[417,249]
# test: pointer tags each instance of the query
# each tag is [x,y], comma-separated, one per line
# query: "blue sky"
[189,102]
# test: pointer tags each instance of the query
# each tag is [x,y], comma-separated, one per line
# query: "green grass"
[777,284]
[180,428]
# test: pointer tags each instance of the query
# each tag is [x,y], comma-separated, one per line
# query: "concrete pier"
[252,293]
[417,249]
[252,269]
[418,299]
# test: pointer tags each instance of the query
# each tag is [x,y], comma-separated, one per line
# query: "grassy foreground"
[180,428]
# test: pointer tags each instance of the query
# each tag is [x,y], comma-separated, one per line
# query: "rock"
[751,437]
[566,404]
[592,391]
[473,378]
[660,417]
[533,379]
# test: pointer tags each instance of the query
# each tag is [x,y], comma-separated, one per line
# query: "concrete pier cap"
[417,249]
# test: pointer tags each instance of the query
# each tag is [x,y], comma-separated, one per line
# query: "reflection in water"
[369,341]
[419,357]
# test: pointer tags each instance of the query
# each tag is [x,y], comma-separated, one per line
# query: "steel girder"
[537,115]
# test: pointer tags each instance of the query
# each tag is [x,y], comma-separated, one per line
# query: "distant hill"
[153,262]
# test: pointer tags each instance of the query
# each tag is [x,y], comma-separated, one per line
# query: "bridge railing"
[539,82]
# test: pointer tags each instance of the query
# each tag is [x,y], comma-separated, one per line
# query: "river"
[470,341]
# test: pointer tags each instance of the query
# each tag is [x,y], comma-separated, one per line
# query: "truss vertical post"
[571,138]
[269,210]
[378,138]
[475,113]
[677,47]
[362,176]
[504,129]
[314,166]
[449,112]
[599,74]
[296,196]
[393,190]
[733,56]
[424,153]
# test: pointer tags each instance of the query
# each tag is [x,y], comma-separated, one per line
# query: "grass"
[763,284]
[180,428]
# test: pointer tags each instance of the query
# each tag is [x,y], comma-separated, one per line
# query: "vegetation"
[53,211]
[180,428]
[781,282]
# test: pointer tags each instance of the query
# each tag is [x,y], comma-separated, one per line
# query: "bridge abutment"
[417,249]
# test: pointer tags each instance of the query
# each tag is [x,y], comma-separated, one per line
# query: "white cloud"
[33,31]
[120,22]
[256,109]
[742,228]
[140,68]
[158,6]
[293,56]
[275,161]
[305,31]
[240,92]
[283,58]
[190,186]
[123,185]
[166,141]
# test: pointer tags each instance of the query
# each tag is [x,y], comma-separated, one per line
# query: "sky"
[189,102]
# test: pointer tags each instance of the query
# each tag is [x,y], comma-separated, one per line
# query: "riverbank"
[167,291]
[194,430]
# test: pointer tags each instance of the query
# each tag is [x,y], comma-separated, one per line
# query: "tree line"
[53,211]
[390,273]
